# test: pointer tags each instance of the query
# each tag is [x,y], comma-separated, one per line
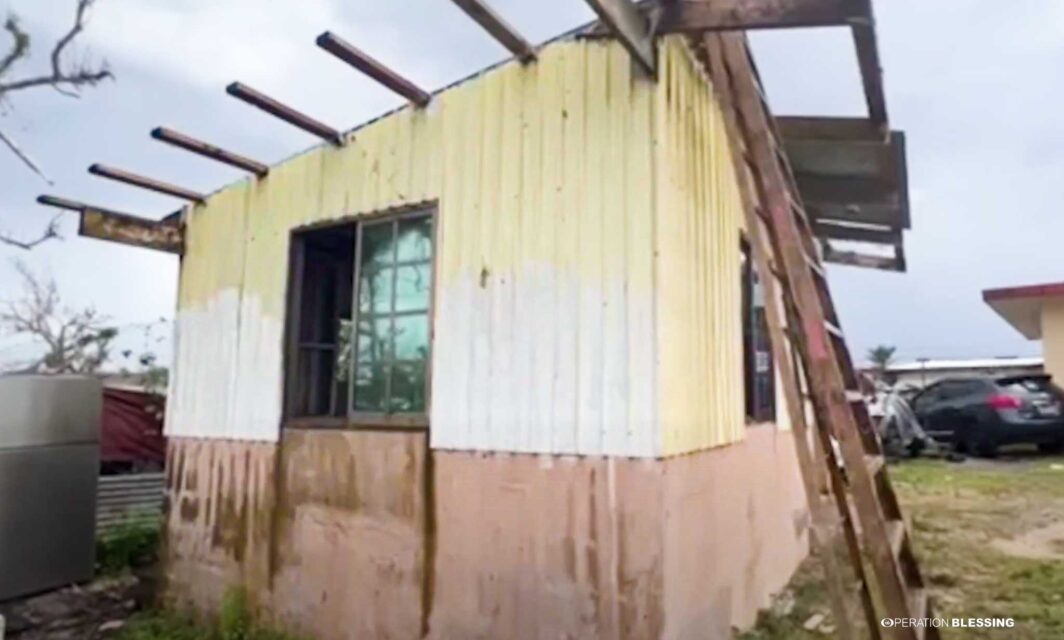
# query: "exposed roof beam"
[145,183]
[113,226]
[726,15]
[829,128]
[855,259]
[483,15]
[626,23]
[198,147]
[864,39]
[291,116]
[855,233]
[365,63]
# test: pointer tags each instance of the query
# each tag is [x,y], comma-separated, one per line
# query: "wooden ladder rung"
[874,464]
[896,535]
[815,267]
[834,330]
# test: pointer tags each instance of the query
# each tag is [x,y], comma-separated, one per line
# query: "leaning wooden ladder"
[850,495]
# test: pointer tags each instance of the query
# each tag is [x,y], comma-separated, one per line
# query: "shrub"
[130,544]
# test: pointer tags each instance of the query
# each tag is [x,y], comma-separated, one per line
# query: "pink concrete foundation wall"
[361,535]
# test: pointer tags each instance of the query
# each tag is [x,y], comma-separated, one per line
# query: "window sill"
[360,423]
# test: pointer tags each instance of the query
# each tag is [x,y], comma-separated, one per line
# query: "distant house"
[1037,312]
[921,373]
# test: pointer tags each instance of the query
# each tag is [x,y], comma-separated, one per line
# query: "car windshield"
[1027,384]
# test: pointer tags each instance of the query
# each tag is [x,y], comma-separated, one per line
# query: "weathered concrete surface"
[359,535]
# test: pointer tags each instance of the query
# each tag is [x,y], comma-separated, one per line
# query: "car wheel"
[986,448]
[1051,447]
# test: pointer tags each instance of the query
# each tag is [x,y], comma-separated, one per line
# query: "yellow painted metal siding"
[544,323]
[587,278]
[699,300]
[1053,337]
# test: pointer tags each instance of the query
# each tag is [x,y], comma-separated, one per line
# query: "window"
[359,321]
[758,370]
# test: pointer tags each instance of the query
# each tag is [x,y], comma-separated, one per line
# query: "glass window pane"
[374,340]
[415,239]
[378,244]
[371,387]
[412,286]
[375,290]
[412,337]
[408,387]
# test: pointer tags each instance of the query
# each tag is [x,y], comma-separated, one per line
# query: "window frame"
[293,321]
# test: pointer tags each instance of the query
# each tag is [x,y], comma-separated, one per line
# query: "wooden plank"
[864,39]
[284,112]
[868,261]
[498,28]
[729,15]
[198,147]
[107,224]
[151,184]
[828,128]
[627,24]
[877,235]
[370,66]
[130,230]
[841,190]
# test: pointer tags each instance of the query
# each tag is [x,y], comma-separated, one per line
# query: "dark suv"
[978,414]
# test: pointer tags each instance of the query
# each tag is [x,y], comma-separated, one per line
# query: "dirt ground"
[990,538]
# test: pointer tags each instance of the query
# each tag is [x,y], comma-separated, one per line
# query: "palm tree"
[881,356]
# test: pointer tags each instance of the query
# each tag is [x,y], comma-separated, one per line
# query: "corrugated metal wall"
[587,277]
[544,295]
[544,327]
[129,499]
[699,303]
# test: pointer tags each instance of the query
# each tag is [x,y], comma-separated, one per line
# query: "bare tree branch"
[50,233]
[75,341]
[60,78]
[26,160]
[19,48]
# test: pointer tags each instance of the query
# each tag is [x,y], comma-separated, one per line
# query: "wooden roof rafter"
[370,66]
[188,143]
[279,110]
[151,184]
[498,28]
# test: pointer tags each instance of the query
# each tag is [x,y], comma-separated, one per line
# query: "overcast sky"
[975,84]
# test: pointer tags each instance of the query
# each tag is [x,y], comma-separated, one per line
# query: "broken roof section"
[849,172]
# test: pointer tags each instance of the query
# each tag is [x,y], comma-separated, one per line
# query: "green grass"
[957,513]
[128,545]
[234,623]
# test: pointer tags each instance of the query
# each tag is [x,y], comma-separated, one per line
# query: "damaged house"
[496,364]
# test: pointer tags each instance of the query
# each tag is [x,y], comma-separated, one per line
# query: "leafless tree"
[75,341]
[66,78]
